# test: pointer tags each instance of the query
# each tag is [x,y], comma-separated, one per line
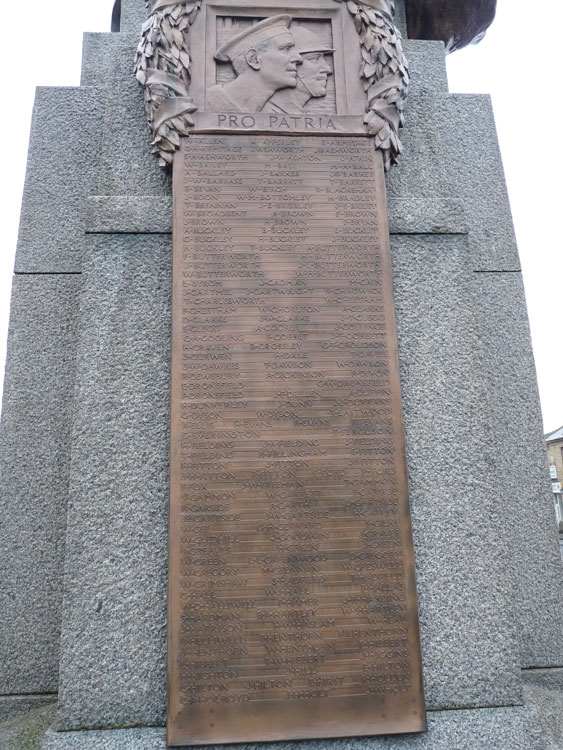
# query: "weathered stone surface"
[463,565]
[455,23]
[26,731]
[127,165]
[414,215]
[408,177]
[98,53]
[427,66]
[150,214]
[543,689]
[519,462]
[34,454]
[486,729]
[62,170]
[473,172]
[133,15]
[114,622]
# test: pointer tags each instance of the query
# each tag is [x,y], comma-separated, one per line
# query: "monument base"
[515,727]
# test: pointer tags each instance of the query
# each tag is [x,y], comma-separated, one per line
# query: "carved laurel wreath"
[163,61]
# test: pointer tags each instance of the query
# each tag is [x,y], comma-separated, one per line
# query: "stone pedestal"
[85,425]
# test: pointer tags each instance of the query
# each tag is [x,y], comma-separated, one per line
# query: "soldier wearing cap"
[312,74]
[264,59]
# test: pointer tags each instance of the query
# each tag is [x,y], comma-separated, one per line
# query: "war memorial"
[271,447]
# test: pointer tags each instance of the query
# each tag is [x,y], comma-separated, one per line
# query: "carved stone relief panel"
[299,68]
[319,78]
[303,50]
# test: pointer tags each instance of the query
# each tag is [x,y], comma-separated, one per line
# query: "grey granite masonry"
[14,706]
[26,731]
[519,463]
[473,173]
[469,643]
[127,166]
[112,669]
[35,451]
[62,171]
[133,15]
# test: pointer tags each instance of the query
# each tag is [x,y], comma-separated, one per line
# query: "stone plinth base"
[516,728]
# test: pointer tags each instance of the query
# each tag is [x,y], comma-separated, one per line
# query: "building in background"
[554,441]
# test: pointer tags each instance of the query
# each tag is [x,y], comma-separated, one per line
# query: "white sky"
[517,63]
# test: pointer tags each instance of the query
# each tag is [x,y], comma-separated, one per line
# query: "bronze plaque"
[292,598]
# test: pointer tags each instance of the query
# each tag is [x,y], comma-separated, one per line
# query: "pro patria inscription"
[292,602]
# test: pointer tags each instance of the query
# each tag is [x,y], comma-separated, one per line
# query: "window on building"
[558,501]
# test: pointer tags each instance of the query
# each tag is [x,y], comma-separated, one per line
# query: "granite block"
[427,66]
[127,165]
[62,170]
[133,15]
[152,214]
[520,464]
[415,215]
[34,466]
[486,729]
[419,171]
[543,689]
[462,555]
[113,643]
[149,214]
[98,58]
[26,732]
[473,172]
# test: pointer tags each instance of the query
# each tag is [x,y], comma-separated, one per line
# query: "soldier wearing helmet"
[312,74]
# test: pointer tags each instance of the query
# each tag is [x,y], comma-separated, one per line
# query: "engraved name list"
[292,602]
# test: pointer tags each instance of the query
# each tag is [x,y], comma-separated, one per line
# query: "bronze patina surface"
[292,598]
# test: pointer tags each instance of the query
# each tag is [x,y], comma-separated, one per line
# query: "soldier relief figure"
[312,75]
[278,69]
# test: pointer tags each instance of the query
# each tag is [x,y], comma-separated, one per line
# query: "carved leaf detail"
[385,74]
[162,67]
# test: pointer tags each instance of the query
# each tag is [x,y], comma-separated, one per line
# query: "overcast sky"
[517,63]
